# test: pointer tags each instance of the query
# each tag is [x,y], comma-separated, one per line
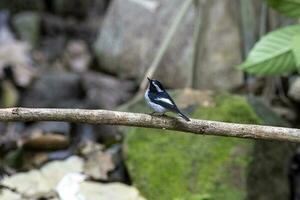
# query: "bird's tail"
[183,116]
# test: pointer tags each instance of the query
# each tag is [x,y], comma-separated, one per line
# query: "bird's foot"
[153,113]
[157,114]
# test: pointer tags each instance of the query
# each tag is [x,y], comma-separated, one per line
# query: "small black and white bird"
[160,101]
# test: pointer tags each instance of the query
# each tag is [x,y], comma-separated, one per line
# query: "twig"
[144,120]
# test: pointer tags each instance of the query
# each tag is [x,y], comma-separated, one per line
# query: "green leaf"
[296,50]
[289,8]
[273,54]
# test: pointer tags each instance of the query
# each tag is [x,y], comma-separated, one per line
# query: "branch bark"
[195,126]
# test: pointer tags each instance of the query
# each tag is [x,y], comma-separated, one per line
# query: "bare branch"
[144,120]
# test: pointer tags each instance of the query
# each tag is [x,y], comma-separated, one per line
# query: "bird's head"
[155,86]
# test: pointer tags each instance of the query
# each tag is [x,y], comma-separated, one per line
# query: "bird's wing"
[166,101]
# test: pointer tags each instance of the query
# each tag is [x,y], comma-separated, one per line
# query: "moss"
[171,165]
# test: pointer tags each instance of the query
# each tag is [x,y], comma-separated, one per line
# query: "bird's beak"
[148,79]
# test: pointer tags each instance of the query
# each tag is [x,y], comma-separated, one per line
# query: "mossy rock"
[180,166]
[172,165]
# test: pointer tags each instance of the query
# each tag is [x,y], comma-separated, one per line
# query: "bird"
[160,101]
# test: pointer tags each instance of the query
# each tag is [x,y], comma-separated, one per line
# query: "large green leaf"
[273,54]
[289,8]
[296,50]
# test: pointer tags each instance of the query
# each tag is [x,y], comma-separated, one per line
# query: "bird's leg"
[164,115]
[157,114]
[153,113]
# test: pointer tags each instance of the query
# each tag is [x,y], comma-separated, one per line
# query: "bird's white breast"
[154,106]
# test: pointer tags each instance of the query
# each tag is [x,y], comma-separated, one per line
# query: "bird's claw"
[158,114]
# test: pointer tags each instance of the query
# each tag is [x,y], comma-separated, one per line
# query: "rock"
[76,8]
[11,135]
[54,127]
[127,49]
[207,167]
[286,113]
[69,187]
[220,48]
[38,184]
[53,47]
[77,56]
[73,186]
[33,159]
[49,141]
[27,26]
[119,174]
[9,195]
[15,59]
[43,180]
[79,8]
[5,32]
[103,134]
[115,191]
[104,91]
[294,90]
[107,135]
[54,89]
[55,26]
[21,5]
[98,163]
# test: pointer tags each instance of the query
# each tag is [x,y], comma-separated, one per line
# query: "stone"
[69,187]
[294,90]
[40,184]
[21,5]
[15,60]
[49,142]
[53,127]
[80,9]
[127,49]
[116,191]
[107,135]
[77,56]
[220,50]
[105,91]
[98,164]
[119,174]
[5,32]
[43,180]
[73,186]
[27,26]
[9,195]
[208,167]
[55,89]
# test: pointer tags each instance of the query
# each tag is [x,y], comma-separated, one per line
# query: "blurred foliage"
[277,52]
[273,53]
[289,8]
[296,49]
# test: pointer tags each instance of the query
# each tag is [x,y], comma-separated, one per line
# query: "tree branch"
[144,120]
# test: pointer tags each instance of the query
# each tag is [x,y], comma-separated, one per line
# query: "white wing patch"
[168,101]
